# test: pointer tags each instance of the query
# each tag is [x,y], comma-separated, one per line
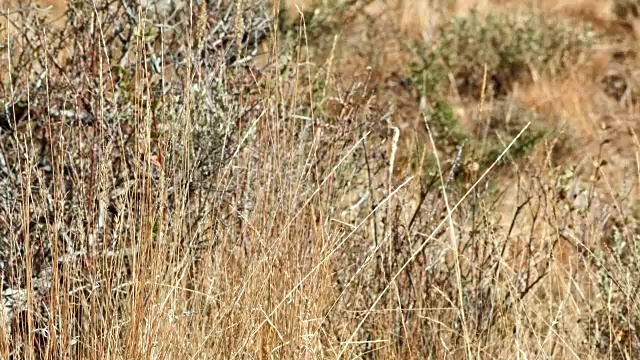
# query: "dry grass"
[212,183]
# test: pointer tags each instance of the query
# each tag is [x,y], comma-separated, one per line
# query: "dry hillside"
[388,179]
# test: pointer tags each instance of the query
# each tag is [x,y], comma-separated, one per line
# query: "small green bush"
[510,46]
[482,142]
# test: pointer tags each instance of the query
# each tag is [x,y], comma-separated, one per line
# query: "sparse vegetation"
[497,50]
[204,181]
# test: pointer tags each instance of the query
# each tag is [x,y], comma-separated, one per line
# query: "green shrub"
[510,46]
[480,143]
